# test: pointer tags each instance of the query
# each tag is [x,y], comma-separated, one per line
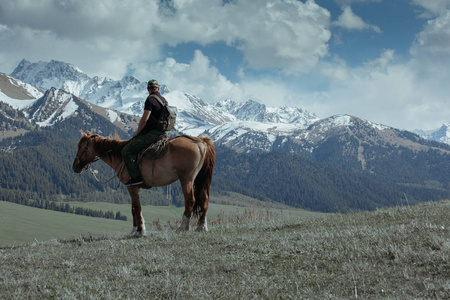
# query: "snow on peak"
[255,111]
[251,111]
[46,75]
[337,121]
[441,135]
[227,105]
[55,105]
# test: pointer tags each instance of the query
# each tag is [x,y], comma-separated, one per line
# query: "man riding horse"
[189,160]
[146,133]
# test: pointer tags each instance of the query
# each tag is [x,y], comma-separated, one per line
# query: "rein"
[88,166]
[95,176]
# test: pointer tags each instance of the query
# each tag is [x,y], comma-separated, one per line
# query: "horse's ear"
[116,136]
[87,132]
[82,132]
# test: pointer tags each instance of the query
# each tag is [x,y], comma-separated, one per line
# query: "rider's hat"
[152,84]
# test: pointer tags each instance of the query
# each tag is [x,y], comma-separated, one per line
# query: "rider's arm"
[143,121]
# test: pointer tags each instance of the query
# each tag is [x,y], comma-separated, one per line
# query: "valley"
[20,225]
[282,155]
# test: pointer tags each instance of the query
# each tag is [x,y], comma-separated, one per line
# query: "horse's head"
[85,153]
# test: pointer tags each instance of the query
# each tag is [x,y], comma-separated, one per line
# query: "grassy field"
[21,224]
[394,253]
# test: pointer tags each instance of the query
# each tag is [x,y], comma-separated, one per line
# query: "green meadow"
[21,224]
[391,253]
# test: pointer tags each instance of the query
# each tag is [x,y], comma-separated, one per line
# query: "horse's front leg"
[136,211]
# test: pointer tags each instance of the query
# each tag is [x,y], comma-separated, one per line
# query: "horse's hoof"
[201,229]
[138,234]
[141,234]
[182,229]
[133,232]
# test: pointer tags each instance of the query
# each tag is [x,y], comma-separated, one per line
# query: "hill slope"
[44,225]
[38,165]
[396,253]
[350,164]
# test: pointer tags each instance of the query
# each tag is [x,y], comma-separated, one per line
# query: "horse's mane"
[108,146]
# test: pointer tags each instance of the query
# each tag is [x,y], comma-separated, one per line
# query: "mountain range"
[227,121]
[440,135]
[41,95]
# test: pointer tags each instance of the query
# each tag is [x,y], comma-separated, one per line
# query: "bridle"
[83,153]
[88,164]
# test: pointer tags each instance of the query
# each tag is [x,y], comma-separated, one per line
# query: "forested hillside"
[37,166]
[296,181]
[11,118]
[42,170]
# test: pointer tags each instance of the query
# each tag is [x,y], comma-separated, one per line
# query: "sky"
[387,61]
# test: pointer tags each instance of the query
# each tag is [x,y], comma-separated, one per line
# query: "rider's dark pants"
[134,147]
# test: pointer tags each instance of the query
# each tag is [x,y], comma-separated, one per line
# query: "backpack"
[166,121]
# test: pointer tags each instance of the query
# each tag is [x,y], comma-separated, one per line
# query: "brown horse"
[187,159]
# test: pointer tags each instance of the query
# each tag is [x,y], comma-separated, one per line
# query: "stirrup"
[134,181]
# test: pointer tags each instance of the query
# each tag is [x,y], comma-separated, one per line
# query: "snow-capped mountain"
[347,135]
[46,109]
[344,142]
[46,75]
[195,116]
[17,93]
[255,111]
[54,106]
[119,95]
[441,135]
[246,126]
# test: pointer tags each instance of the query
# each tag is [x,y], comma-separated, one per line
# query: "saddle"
[156,150]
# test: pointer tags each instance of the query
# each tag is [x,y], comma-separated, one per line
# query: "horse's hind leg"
[203,199]
[189,201]
[138,220]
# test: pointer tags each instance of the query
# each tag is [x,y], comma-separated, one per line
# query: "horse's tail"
[202,182]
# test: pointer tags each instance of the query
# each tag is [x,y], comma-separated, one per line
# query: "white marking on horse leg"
[184,224]
[202,226]
[143,232]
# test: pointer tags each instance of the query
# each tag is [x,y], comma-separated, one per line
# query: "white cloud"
[433,43]
[348,2]
[286,35]
[80,20]
[350,21]
[107,38]
[405,93]
[103,56]
[198,78]
[432,7]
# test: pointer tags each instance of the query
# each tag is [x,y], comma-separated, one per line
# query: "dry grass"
[395,253]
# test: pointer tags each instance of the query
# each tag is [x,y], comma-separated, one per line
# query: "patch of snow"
[16,104]
[377,126]
[31,90]
[112,115]
[69,109]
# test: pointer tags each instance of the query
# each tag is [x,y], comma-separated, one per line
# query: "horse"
[187,159]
